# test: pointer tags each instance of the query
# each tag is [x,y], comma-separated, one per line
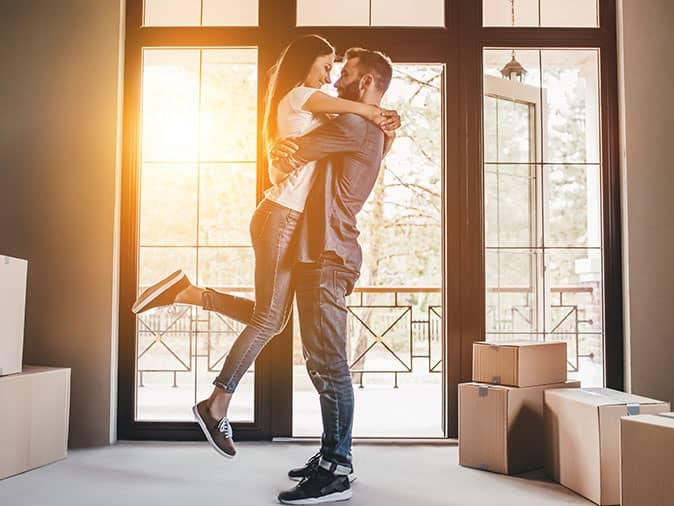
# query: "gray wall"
[59,111]
[647,131]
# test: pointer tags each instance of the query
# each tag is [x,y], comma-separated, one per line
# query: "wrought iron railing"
[412,325]
[568,322]
[390,330]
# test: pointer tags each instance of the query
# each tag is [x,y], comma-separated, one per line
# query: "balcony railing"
[392,330]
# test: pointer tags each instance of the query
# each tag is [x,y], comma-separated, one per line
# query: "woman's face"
[319,74]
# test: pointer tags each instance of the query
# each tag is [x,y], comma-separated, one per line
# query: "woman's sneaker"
[218,432]
[299,473]
[163,293]
[319,487]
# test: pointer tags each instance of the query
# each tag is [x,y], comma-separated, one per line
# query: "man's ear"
[366,81]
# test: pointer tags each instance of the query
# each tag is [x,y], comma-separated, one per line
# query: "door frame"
[459,47]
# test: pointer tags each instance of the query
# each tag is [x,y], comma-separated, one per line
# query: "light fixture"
[513,70]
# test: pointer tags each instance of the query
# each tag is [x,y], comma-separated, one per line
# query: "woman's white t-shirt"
[293,121]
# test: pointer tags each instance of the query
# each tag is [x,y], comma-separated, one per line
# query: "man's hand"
[282,155]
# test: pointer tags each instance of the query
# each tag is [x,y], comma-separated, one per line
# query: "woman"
[294,106]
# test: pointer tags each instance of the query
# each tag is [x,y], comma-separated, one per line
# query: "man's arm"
[341,135]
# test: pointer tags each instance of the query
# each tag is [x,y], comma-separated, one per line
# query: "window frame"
[458,45]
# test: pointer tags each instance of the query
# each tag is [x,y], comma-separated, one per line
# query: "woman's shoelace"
[225,428]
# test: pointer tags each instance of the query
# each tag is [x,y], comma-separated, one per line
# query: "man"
[349,151]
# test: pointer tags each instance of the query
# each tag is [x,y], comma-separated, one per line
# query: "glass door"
[395,339]
[542,189]
[197,190]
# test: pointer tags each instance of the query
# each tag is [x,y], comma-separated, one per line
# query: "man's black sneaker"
[319,487]
[299,473]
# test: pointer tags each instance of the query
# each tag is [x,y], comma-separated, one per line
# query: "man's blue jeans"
[321,291]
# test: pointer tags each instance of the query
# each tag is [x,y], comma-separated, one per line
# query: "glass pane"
[408,13]
[572,205]
[510,205]
[512,292]
[572,13]
[571,96]
[170,105]
[496,59]
[331,13]
[574,309]
[229,120]
[396,309]
[226,267]
[227,201]
[157,263]
[490,129]
[172,12]
[499,12]
[230,12]
[168,191]
[545,13]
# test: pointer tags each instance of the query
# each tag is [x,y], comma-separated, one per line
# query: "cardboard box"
[519,363]
[13,274]
[34,423]
[647,457]
[501,428]
[582,438]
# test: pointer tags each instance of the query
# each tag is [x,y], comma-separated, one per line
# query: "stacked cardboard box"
[646,454]
[582,438]
[501,411]
[13,273]
[34,401]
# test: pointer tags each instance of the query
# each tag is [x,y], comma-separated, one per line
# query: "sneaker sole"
[207,433]
[147,299]
[337,496]
[352,478]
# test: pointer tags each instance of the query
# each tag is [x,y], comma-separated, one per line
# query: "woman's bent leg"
[272,230]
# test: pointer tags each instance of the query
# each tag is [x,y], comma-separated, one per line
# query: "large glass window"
[395,339]
[370,13]
[543,13]
[542,188]
[197,192]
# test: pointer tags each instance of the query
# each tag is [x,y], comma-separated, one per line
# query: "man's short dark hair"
[375,63]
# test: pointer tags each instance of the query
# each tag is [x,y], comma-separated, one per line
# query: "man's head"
[365,77]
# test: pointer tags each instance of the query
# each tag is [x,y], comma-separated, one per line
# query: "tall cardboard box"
[647,458]
[582,438]
[34,423]
[13,273]
[519,363]
[501,428]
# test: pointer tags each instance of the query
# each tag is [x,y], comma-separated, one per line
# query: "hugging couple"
[325,154]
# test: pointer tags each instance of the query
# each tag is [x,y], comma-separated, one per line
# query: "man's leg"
[321,301]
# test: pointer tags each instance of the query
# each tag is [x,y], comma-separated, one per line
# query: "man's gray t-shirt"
[349,152]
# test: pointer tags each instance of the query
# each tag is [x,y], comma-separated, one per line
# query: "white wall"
[59,167]
[646,36]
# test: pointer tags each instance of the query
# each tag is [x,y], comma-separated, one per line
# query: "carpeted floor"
[180,474]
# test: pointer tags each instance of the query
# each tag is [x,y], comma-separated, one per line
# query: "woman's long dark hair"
[289,71]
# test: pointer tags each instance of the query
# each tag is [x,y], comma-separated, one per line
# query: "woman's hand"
[389,120]
[386,119]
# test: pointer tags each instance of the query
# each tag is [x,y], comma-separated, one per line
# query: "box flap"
[604,397]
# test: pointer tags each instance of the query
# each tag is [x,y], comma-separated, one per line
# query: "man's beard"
[351,91]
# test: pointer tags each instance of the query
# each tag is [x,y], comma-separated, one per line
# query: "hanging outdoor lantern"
[513,70]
